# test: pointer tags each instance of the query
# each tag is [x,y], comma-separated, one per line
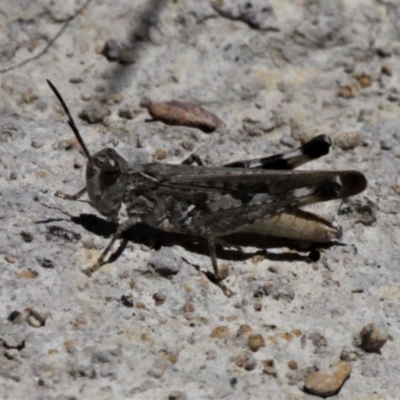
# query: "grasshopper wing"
[218,201]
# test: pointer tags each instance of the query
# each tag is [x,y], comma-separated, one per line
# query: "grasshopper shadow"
[96,225]
[142,233]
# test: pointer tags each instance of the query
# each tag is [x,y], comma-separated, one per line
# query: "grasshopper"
[212,202]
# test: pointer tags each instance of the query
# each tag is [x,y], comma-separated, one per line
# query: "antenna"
[71,122]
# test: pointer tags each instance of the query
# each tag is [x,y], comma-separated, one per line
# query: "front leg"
[193,158]
[213,255]
[117,235]
[73,197]
[218,277]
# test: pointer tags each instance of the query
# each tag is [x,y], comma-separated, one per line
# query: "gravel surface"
[150,324]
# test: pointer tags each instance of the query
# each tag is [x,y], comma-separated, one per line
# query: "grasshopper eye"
[110,164]
[107,160]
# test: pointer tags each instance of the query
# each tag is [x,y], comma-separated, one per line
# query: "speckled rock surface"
[150,325]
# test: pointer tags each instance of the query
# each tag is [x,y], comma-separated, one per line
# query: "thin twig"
[50,43]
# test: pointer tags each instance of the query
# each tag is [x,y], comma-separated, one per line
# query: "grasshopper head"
[105,172]
[106,181]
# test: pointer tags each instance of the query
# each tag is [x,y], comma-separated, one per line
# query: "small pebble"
[393,97]
[255,127]
[246,360]
[140,305]
[346,92]
[364,80]
[34,318]
[45,262]
[10,258]
[373,338]
[348,140]
[257,258]
[255,341]
[244,331]
[170,356]
[297,332]
[15,317]
[188,145]
[386,70]
[211,354]
[83,371]
[28,274]
[26,236]
[349,355]
[292,364]
[110,50]
[125,112]
[165,262]
[70,346]
[75,80]
[288,141]
[386,143]
[160,154]
[383,52]
[88,242]
[40,382]
[318,340]
[68,144]
[224,271]
[188,308]
[269,368]
[36,145]
[233,381]
[259,292]
[119,52]
[127,300]
[94,113]
[178,113]
[158,369]
[327,385]
[220,332]
[159,298]
[287,336]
